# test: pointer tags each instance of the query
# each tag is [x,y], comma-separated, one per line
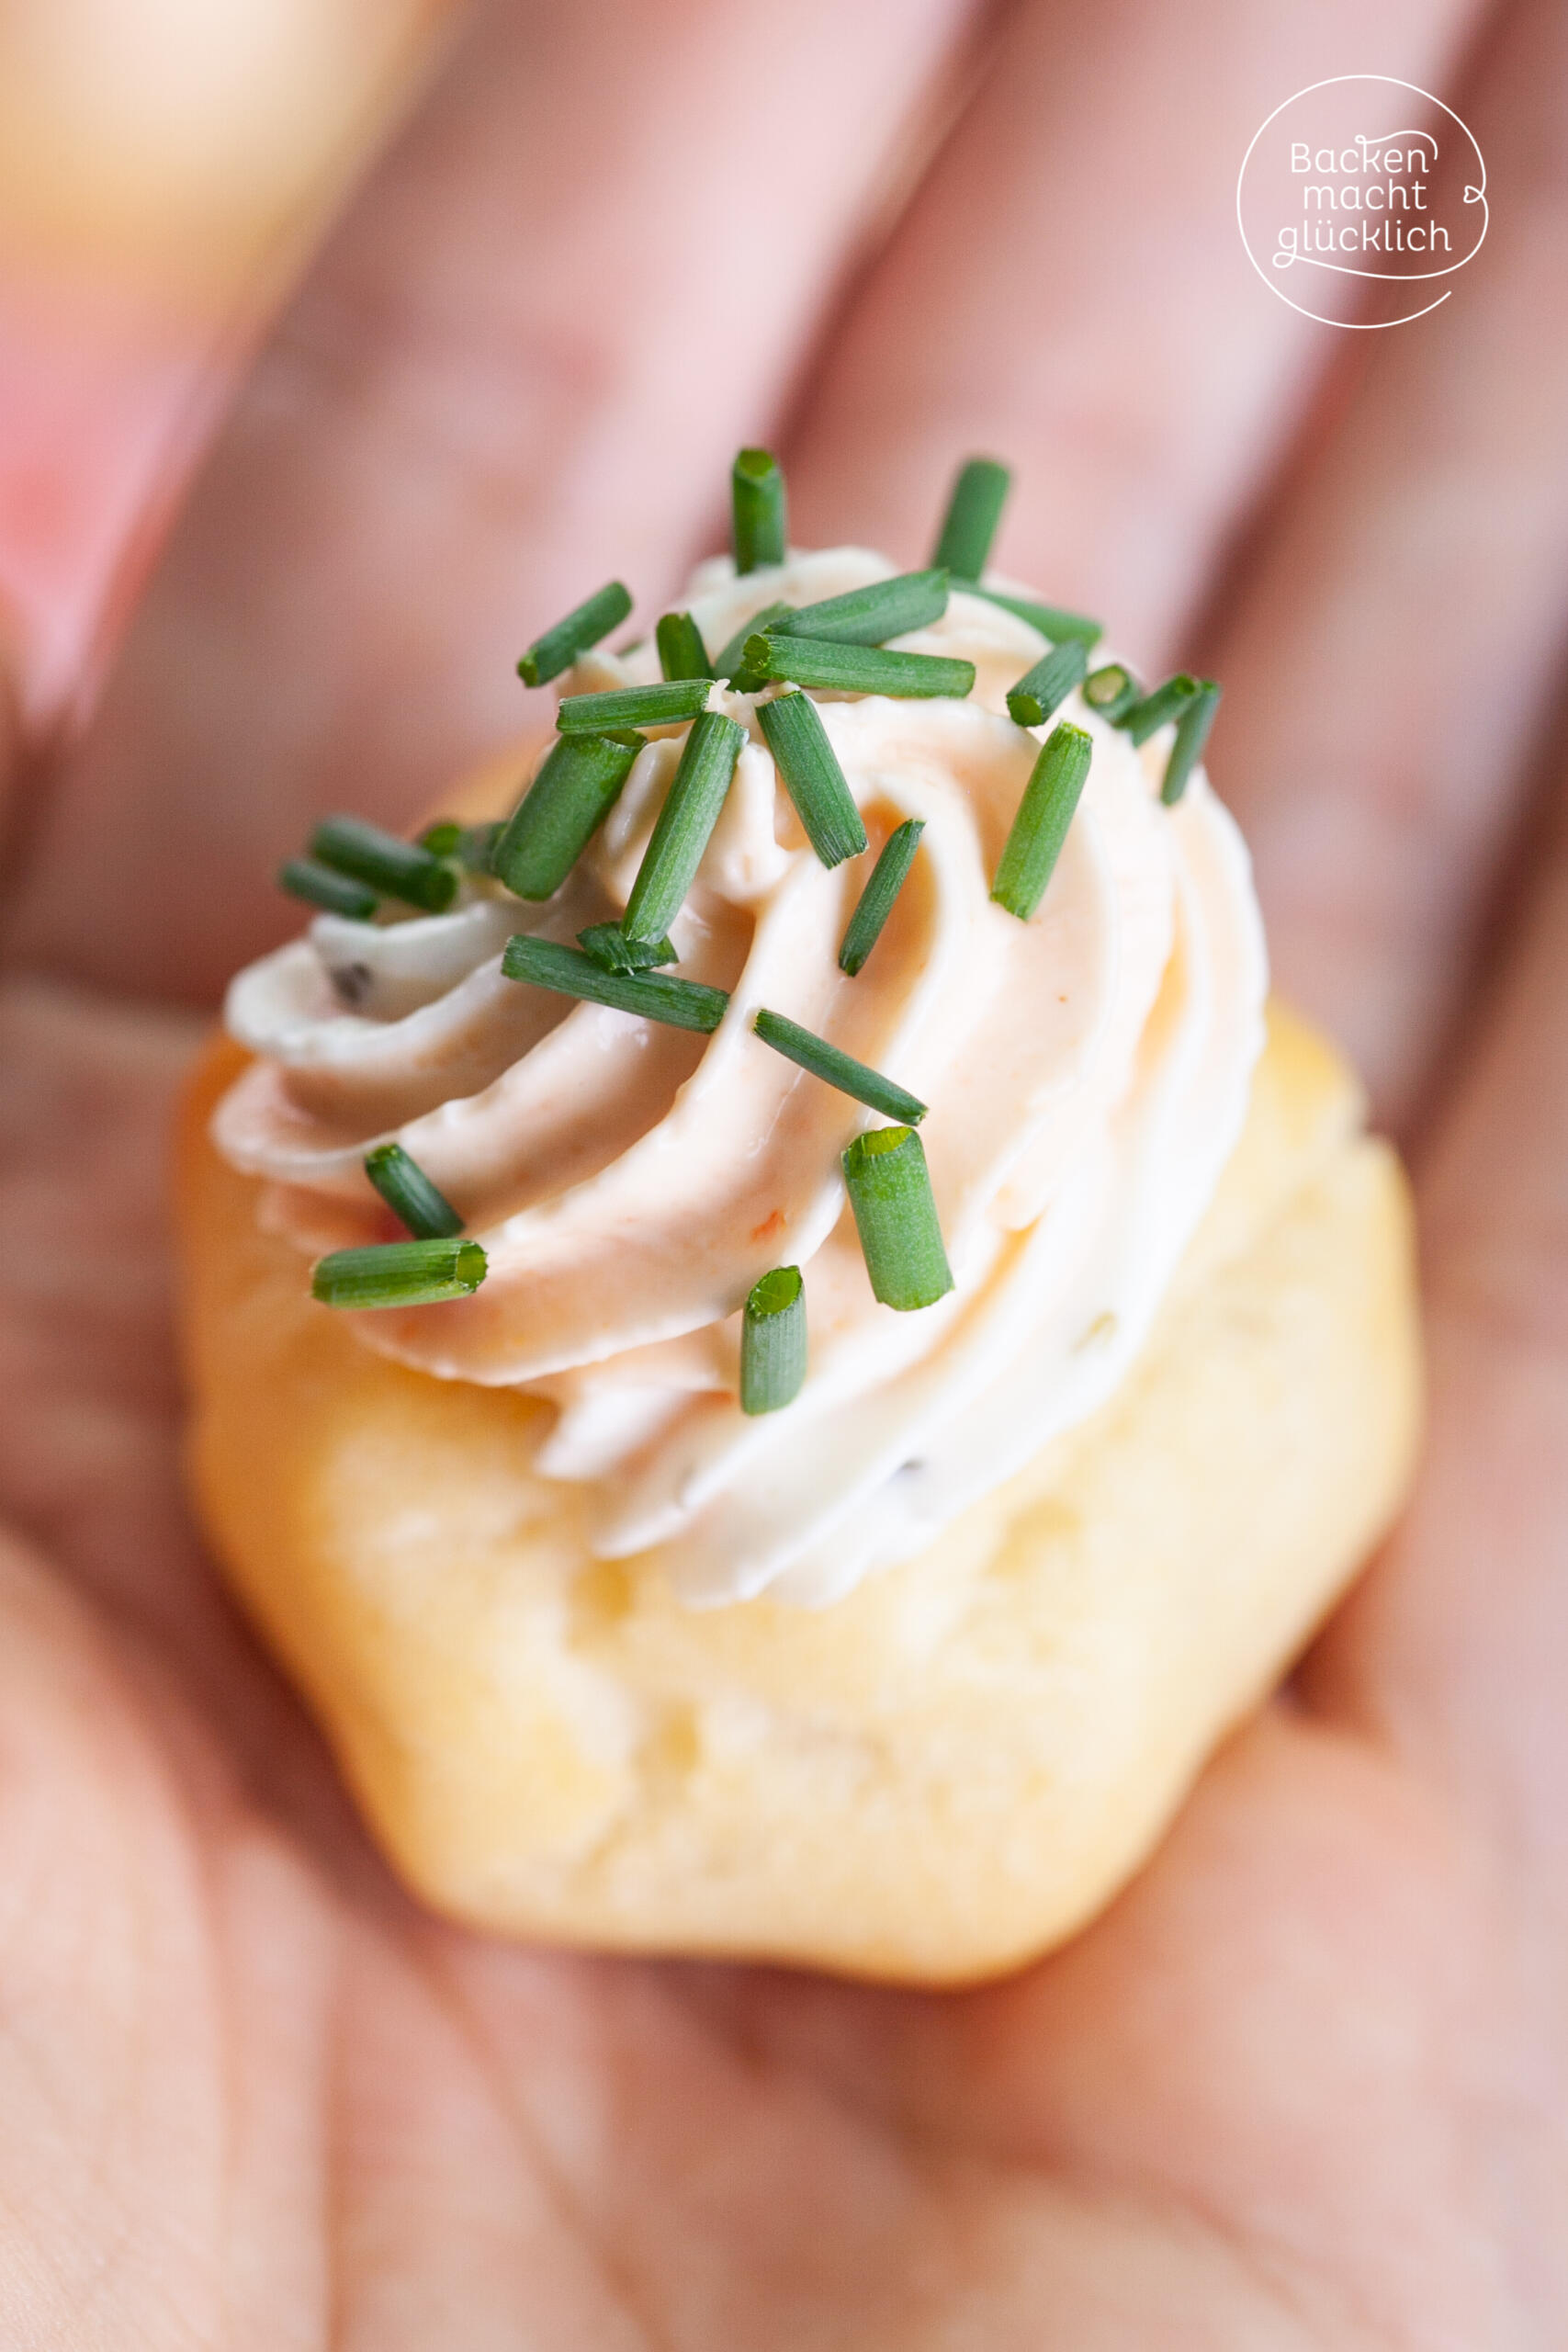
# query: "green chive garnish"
[1192,734]
[1042,690]
[688,817]
[857,669]
[470,845]
[731,662]
[680,1004]
[614,952]
[869,616]
[558,816]
[410,1194]
[772,1342]
[320,887]
[812,1053]
[757,510]
[890,1193]
[386,861]
[1166,702]
[584,626]
[812,777]
[668,705]
[896,856]
[972,513]
[1053,622]
[682,653]
[398,1273]
[477,846]
[1043,816]
[1111,690]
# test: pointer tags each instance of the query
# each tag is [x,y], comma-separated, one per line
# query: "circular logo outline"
[1340,269]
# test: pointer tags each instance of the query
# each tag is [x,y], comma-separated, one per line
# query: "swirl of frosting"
[1087,1074]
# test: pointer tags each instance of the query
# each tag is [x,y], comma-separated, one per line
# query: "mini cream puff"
[910,969]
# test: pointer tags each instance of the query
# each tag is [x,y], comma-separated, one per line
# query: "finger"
[148,221]
[10,721]
[89,1463]
[1068,289]
[101,1965]
[90,1436]
[1456,1650]
[1392,654]
[575,284]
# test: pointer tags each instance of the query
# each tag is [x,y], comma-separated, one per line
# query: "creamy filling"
[1087,1074]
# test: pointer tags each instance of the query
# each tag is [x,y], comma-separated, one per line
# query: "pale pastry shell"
[935,1779]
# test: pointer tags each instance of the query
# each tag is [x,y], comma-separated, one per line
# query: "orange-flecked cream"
[1087,1074]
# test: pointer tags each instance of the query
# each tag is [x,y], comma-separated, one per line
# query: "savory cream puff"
[847,1343]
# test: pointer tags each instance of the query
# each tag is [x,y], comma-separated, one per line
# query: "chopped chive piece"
[869,615]
[1166,702]
[974,511]
[812,777]
[477,846]
[614,952]
[857,669]
[398,1273]
[896,856]
[410,1194]
[731,664]
[470,845]
[1111,690]
[890,1193]
[668,705]
[1053,622]
[812,1053]
[772,1342]
[574,791]
[583,626]
[320,887]
[657,996]
[1041,691]
[682,653]
[689,815]
[1044,813]
[758,507]
[1192,734]
[401,869]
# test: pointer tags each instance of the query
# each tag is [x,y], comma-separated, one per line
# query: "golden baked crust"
[932,1781]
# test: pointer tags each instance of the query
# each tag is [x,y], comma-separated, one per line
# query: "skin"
[1307,2081]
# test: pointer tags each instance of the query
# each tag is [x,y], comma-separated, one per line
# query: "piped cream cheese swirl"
[1087,1074]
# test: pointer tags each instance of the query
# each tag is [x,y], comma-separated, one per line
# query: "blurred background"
[164,167]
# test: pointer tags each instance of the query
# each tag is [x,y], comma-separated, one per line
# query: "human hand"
[1307,2081]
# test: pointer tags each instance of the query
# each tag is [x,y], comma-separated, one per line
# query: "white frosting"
[1087,1074]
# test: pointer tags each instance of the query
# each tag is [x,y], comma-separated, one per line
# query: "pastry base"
[938,1777]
